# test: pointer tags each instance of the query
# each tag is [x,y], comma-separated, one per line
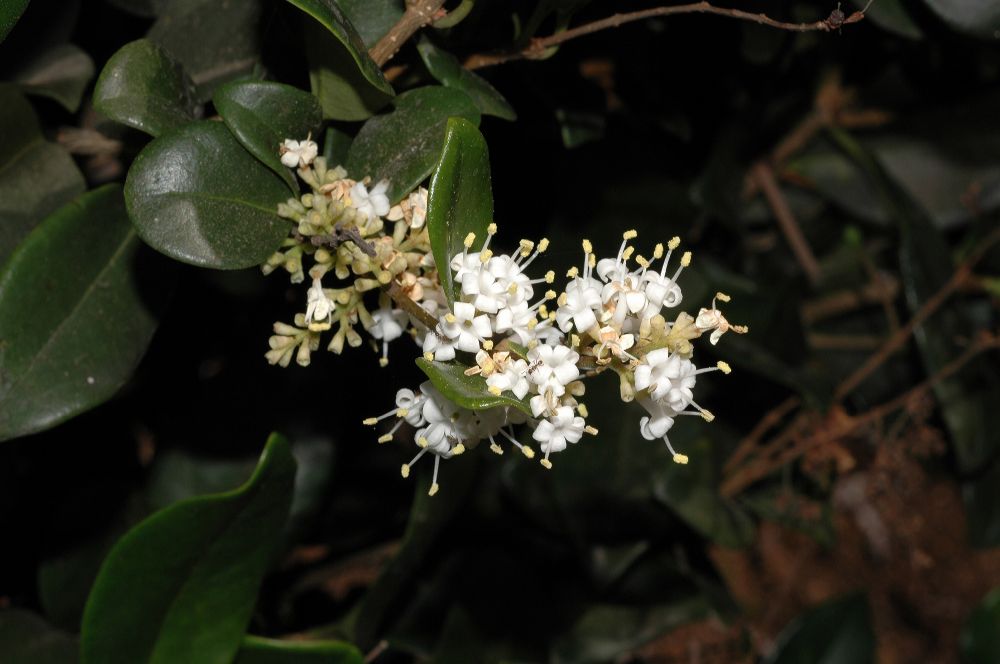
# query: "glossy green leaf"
[342,89]
[143,87]
[980,18]
[979,642]
[459,198]
[404,145]
[467,391]
[262,114]
[25,638]
[446,68]
[836,632]
[181,586]
[36,177]
[372,18]
[258,650]
[196,195]
[335,20]
[74,317]
[10,11]
[336,143]
[214,41]
[892,16]
[61,73]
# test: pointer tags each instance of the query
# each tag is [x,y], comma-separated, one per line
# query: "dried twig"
[418,14]
[764,177]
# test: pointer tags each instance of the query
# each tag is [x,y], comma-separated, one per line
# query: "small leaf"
[36,177]
[196,195]
[833,633]
[403,146]
[372,18]
[460,197]
[333,18]
[143,87]
[10,11]
[262,114]
[258,650]
[579,127]
[61,73]
[974,17]
[466,391]
[74,319]
[446,68]
[343,91]
[979,641]
[27,639]
[181,586]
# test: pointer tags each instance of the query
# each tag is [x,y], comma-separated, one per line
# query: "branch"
[763,175]
[539,46]
[418,14]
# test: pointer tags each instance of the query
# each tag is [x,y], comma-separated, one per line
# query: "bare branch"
[418,14]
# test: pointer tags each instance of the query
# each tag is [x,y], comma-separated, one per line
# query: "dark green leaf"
[214,41]
[579,128]
[974,17]
[342,89]
[181,586]
[74,319]
[334,19]
[837,632]
[262,114]
[459,198]
[61,73]
[467,391]
[446,68]
[145,8]
[258,650]
[403,146]
[892,16]
[27,639]
[980,638]
[196,195]
[143,87]
[336,144]
[10,11]
[36,177]
[372,18]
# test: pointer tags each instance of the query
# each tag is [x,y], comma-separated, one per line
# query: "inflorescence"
[525,339]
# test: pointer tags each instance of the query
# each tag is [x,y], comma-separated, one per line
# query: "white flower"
[513,283]
[485,291]
[319,308]
[555,432]
[583,299]
[388,325]
[298,153]
[668,377]
[372,203]
[512,377]
[466,327]
[438,344]
[518,320]
[617,342]
[553,367]
[658,422]
[412,403]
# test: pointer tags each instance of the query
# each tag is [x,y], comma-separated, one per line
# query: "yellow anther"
[707,415]
[630,234]
[485,255]
[402,412]
[550,295]
[592,261]
[628,253]
[543,311]
[370,421]
[434,489]
[681,459]
[512,289]
[724,367]
[574,341]
[552,316]
[658,251]
[591,430]
[450,317]
[496,449]
[422,442]
[546,463]
[469,240]
[526,247]
[385,439]
[550,276]
[642,261]
[674,243]
[383,361]
[488,344]
[429,356]
[532,323]
[528,452]
[494,390]
[543,244]
[405,470]
[458,449]
[588,248]
[492,229]
[573,272]
[686,259]
[723,297]
[561,301]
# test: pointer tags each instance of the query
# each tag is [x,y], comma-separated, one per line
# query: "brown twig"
[418,14]
[538,46]
[843,301]
[771,419]
[763,175]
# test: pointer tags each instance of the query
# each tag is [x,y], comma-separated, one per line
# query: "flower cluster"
[526,345]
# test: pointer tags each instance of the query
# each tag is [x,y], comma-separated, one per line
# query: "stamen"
[677,457]
[469,240]
[591,430]
[658,251]
[434,478]
[582,409]
[724,367]
[630,234]
[573,272]
[526,247]
[458,449]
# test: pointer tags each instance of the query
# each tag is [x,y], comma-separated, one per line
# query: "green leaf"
[258,650]
[196,195]
[467,391]
[973,17]
[36,177]
[143,87]
[336,143]
[403,146]
[334,19]
[446,68]
[979,641]
[579,127]
[343,91]
[372,18]
[214,41]
[262,114]
[10,11]
[61,73]
[181,586]
[27,639]
[459,198]
[835,632]
[74,318]
[890,15]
